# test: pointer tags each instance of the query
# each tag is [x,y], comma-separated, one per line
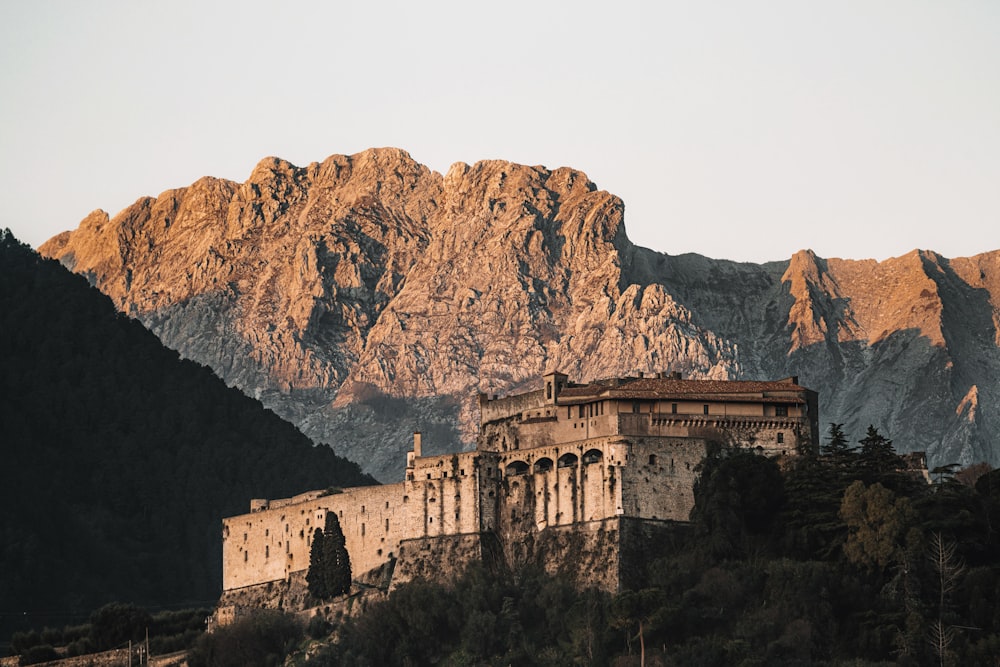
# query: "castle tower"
[555,382]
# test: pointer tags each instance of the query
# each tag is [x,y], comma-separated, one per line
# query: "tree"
[336,561]
[329,564]
[877,452]
[877,520]
[116,623]
[837,444]
[316,576]
[736,496]
[948,570]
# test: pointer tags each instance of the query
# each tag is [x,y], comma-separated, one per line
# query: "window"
[267,552]
[362,530]
[387,525]
[673,408]
[581,411]
[781,411]
[652,459]
[781,438]
[704,409]
[246,554]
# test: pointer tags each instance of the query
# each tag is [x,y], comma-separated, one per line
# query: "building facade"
[562,460]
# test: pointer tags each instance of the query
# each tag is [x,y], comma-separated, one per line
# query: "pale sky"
[737,130]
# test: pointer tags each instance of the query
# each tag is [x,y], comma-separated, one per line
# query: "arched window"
[592,456]
[516,468]
[567,460]
[543,464]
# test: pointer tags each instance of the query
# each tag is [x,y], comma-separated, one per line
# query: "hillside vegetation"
[119,459]
[838,560]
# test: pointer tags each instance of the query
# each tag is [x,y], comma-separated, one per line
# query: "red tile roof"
[661,388]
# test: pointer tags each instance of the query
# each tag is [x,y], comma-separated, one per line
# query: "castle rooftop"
[665,388]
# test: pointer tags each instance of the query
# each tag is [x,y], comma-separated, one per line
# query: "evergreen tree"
[316,576]
[336,561]
[837,444]
[877,452]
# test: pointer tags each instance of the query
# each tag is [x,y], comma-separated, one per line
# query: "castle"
[583,470]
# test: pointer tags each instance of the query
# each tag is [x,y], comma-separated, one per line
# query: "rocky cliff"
[366,296]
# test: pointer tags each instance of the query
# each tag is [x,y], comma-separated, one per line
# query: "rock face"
[366,296]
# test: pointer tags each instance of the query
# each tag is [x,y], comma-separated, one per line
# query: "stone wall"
[271,544]
[658,482]
[440,558]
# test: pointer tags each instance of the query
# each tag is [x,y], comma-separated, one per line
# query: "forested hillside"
[835,560]
[119,460]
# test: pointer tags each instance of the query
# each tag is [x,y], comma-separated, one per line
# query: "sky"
[737,130]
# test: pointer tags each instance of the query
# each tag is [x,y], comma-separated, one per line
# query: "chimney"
[416,444]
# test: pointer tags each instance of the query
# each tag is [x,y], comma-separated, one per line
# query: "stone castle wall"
[543,471]
[512,494]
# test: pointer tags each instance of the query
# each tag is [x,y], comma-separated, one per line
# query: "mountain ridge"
[332,291]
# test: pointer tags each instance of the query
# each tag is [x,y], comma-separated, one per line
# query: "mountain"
[119,459]
[366,296]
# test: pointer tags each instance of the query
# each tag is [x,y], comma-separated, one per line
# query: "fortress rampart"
[567,460]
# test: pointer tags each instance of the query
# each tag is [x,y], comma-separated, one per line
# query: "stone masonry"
[556,471]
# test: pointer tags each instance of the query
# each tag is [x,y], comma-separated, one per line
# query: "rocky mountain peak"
[366,296]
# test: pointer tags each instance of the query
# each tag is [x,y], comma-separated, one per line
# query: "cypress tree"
[336,561]
[316,576]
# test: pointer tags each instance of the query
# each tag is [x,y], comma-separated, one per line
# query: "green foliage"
[877,521]
[263,638]
[316,575]
[528,619]
[135,453]
[37,654]
[736,498]
[113,625]
[336,561]
[827,562]
[877,453]
[837,443]
[116,624]
[329,573]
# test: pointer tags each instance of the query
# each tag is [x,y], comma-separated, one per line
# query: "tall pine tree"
[877,452]
[837,444]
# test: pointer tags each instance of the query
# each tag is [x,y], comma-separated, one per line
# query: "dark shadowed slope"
[119,460]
